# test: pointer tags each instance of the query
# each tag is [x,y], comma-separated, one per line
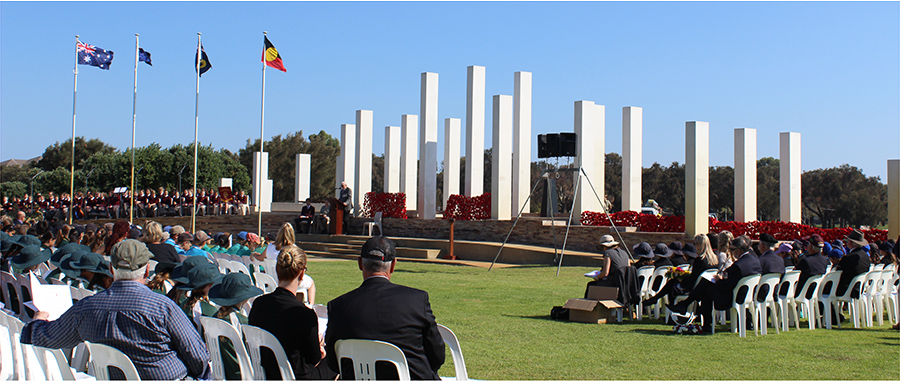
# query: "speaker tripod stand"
[579,173]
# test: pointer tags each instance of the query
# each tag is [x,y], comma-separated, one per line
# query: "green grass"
[502,321]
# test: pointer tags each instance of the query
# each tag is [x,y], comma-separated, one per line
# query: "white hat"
[607,241]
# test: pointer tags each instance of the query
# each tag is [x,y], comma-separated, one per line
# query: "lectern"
[337,216]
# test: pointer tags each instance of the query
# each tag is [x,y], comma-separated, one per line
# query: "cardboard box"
[597,308]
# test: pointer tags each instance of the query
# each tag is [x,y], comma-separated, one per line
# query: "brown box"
[598,308]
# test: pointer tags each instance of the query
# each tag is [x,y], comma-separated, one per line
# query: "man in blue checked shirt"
[148,327]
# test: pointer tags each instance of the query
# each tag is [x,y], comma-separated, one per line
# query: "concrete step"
[409,252]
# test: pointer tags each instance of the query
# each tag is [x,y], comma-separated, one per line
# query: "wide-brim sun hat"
[179,273]
[643,250]
[65,264]
[857,237]
[202,275]
[662,251]
[233,289]
[30,256]
[689,250]
[88,261]
[606,241]
[58,255]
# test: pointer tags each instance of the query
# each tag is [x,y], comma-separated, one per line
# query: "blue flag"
[94,56]
[144,56]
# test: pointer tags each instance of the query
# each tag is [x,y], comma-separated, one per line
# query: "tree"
[767,189]
[721,191]
[323,150]
[665,185]
[60,154]
[844,196]
[613,179]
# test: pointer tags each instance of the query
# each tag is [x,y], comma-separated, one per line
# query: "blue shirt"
[178,249]
[148,327]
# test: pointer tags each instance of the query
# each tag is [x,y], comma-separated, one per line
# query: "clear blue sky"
[830,71]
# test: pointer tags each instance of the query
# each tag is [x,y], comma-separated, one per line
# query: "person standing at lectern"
[347,199]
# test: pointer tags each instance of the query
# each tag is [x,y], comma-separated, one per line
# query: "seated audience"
[144,325]
[231,294]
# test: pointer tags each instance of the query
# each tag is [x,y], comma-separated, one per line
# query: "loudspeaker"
[548,145]
[567,146]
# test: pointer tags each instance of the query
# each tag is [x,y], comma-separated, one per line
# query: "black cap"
[379,248]
[767,239]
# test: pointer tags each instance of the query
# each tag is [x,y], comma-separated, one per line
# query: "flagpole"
[133,123]
[74,98]
[196,123]
[262,118]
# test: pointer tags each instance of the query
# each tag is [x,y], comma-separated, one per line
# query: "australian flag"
[144,56]
[94,56]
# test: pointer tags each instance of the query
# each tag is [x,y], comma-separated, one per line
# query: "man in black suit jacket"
[854,263]
[720,292]
[813,263]
[769,261]
[381,310]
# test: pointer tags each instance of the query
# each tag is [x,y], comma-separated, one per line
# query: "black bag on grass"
[559,313]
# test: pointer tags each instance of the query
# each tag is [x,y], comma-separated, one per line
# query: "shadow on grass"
[890,340]
[655,332]
[536,317]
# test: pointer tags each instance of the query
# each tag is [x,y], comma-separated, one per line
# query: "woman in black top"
[288,319]
[702,258]
[162,252]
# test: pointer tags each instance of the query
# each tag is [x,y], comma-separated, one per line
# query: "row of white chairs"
[29,362]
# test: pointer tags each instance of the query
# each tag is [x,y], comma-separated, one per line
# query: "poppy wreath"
[466,208]
[391,205]
[784,231]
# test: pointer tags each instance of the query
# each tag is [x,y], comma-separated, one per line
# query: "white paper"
[51,298]
[708,276]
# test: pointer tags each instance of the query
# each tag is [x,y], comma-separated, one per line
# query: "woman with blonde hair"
[153,238]
[285,237]
[702,259]
[294,324]
[726,258]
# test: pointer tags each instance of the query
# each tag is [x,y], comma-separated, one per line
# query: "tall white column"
[302,177]
[363,178]
[789,154]
[744,174]
[451,157]
[632,157]
[391,159]
[696,178]
[521,165]
[501,162]
[428,136]
[893,179]
[409,167]
[338,175]
[262,192]
[348,156]
[475,131]
[590,129]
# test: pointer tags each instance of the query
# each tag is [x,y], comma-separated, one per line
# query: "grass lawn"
[502,321]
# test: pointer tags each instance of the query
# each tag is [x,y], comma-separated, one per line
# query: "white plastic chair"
[321,310]
[369,226]
[740,306]
[657,281]
[785,298]
[15,333]
[679,298]
[364,354]
[805,302]
[266,282]
[224,265]
[104,356]
[644,273]
[882,300]
[214,328]
[55,366]
[854,304]
[270,267]
[257,337]
[826,296]
[238,267]
[767,301]
[7,363]
[459,364]
[868,294]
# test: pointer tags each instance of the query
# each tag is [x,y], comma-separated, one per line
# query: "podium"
[336,227]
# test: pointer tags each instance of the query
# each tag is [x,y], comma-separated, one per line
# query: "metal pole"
[72,173]
[196,121]
[514,223]
[133,123]
[262,118]
[569,224]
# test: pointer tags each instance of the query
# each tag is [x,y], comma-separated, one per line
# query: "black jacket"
[810,265]
[296,327]
[771,263]
[400,315]
[745,265]
[852,264]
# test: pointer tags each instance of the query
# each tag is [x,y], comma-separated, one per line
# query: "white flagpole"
[74,97]
[133,123]
[262,118]
[196,121]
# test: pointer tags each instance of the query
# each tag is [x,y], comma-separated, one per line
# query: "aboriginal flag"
[271,57]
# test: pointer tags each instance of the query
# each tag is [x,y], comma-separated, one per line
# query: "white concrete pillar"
[363,178]
[338,175]
[348,157]
[475,131]
[789,156]
[632,157]
[428,136]
[696,178]
[391,159]
[590,129]
[409,167]
[501,162]
[893,179]
[302,177]
[744,174]
[261,193]
[451,158]
[521,165]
